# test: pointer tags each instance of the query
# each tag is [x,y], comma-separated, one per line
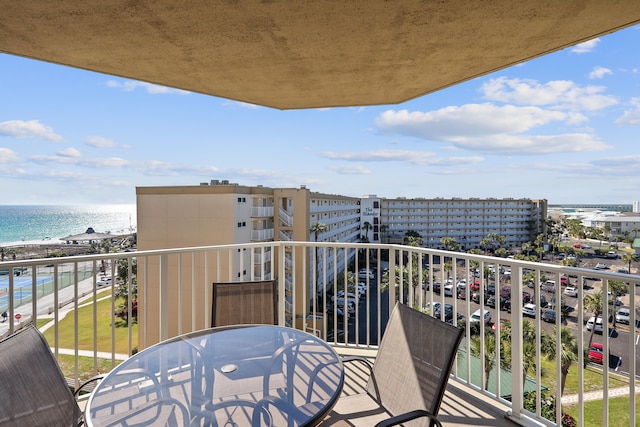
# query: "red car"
[577,246]
[596,353]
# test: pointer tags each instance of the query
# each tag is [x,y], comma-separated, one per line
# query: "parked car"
[612,255]
[598,324]
[478,315]
[596,353]
[601,266]
[529,310]
[448,290]
[437,309]
[549,316]
[571,291]
[623,315]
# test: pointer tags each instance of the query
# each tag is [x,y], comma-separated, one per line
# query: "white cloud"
[132,85]
[630,117]
[28,129]
[70,152]
[536,144]
[351,170]
[68,158]
[231,103]
[557,94]
[100,142]
[8,156]
[503,130]
[586,47]
[599,72]
[625,164]
[467,121]
[412,157]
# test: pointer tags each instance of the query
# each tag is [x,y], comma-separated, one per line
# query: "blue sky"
[564,127]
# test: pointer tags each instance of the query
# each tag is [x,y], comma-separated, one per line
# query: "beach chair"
[34,391]
[409,376]
[236,303]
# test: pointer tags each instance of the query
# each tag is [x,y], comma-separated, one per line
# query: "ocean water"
[21,223]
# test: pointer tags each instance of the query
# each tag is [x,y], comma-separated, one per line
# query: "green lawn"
[592,378]
[618,407]
[86,368]
[103,327]
[618,412]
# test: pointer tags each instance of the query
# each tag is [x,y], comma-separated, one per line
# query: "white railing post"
[163,318]
[517,386]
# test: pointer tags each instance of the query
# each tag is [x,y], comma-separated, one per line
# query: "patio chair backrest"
[237,303]
[414,361]
[34,391]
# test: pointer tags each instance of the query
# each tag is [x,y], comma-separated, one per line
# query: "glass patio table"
[245,375]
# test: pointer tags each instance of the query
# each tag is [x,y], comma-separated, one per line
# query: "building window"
[242,199]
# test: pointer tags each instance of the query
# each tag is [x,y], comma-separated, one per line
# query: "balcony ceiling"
[303,54]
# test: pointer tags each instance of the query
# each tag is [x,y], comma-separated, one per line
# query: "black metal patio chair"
[409,376]
[34,391]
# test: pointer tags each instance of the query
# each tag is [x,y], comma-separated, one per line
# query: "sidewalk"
[572,399]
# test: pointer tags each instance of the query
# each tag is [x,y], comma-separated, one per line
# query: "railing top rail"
[459,256]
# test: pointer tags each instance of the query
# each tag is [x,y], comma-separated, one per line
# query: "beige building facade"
[223,213]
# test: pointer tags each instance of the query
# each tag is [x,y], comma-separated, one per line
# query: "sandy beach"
[33,249]
[41,249]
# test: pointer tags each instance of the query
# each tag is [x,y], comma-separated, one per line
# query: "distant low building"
[89,236]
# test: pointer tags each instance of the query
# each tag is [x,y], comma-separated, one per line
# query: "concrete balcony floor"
[461,406]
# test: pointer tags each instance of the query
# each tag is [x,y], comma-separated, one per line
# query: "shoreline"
[30,249]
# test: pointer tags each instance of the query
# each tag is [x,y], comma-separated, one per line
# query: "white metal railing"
[174,298]
[262,211]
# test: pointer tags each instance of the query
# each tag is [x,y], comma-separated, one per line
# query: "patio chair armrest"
[408,416]
[87,382]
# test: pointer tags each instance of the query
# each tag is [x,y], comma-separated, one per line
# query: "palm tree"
[568,352]
[635,232]
[616,288]
[629,258]
[490,347]
[448,267]
[593,303]
[383,231]
[607,231]
[316,229]
[450,243]
[367,226]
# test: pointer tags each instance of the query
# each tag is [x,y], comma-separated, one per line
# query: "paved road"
[46,303]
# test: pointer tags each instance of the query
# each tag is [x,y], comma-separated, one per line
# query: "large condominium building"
[468,221]
[223,213]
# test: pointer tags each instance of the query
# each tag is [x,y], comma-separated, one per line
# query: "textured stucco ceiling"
[302,54]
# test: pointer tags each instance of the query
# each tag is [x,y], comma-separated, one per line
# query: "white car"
[570,291]
[448,290]
[598,327]
[623,316]
[476,316]
[529,310]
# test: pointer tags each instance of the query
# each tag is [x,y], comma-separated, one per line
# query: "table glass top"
[246,375]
